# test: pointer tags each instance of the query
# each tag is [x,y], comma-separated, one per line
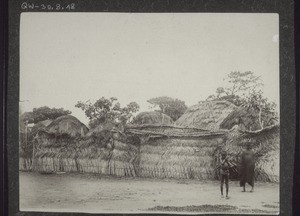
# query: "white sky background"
[68,57]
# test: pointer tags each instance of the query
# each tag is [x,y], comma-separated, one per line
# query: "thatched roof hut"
[154,118]
[67,125]
[206,115]
[247,119]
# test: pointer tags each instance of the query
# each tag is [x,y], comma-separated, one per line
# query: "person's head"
[223,154]
[248,146]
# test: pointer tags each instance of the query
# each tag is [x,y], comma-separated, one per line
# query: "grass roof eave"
[141,126]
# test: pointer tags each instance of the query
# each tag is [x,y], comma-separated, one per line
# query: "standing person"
[247,168]
[224,172]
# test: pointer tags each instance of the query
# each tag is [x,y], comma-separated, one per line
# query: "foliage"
[107,110]
[43,113]
[239,84]
[243,90]
[169,106]
[235,99]
[260,104]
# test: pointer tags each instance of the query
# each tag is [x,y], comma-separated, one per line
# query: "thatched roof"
[244,136]
[41,125]
[154,118]
[206,115]
[67,125]
[247,118]
[164,127]
[174,134]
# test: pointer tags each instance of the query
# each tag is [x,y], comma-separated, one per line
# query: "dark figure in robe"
[247,168]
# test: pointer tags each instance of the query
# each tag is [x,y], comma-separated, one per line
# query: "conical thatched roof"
[67,125]
[153,118]
[247,118]
[206,115]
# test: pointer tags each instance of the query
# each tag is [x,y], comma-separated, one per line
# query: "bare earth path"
[96,194]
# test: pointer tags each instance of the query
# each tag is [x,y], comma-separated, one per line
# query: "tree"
[169,106]
[238,85]
[243,90]
[266,110]
[105,111]
[43,113]
[240,82]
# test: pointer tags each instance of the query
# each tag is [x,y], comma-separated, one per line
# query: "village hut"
[247,119]
[174,152]
[206,115]
[153,118]
[55,146]
[67,125]
[190,153]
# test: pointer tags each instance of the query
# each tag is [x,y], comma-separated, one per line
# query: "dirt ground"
[103,194]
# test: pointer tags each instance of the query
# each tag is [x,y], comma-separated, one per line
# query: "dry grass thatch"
[67,125]
[163,128]
[183,154]
[169,131]
[156,151]
[40,125]
[179,158]
[102,151]
[246,118]
[154,118]
[206,115]
[266,146]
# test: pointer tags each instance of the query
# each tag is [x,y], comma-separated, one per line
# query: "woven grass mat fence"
[116,158]
[179,158]
[158,154]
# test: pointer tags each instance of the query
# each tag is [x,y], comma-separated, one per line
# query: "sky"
[70,57]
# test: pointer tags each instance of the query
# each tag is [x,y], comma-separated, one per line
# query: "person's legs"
[227,184]
[221,186]
[252,189]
